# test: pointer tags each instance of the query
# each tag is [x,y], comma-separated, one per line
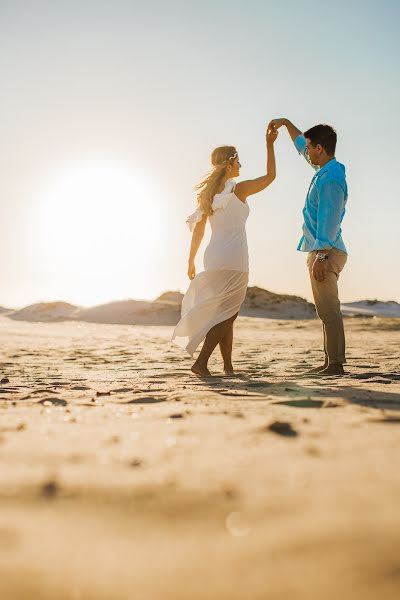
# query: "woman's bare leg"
[213,337]
[225,345]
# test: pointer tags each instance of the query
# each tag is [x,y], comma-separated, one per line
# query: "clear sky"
[109,112]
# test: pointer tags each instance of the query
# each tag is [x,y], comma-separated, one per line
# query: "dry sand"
[123,477]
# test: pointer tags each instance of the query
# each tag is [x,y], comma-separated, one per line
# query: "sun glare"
[98,230]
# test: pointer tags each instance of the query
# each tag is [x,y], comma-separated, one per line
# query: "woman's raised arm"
[247,188]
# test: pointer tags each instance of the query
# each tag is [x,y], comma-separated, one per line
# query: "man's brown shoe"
[332,370]
[316,370]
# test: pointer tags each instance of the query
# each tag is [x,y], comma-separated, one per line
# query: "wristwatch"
[321,256]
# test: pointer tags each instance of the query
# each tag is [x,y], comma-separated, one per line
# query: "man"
[322,235]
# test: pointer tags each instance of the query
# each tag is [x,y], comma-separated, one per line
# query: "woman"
[214,297]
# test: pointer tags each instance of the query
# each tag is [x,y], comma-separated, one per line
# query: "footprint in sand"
[282,428]
[80,387]
[19,427]
[49,489]
[308,403]
[390,376]
[258,384]
[53,402]
[145,400]
[236,393]
[176,416]
[376,377]
[387,420]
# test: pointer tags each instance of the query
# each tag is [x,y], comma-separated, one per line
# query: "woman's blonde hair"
[220,159]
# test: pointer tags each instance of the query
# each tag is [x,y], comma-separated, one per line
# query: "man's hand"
[292,129]
[191,270]
[319,269]
[277,123]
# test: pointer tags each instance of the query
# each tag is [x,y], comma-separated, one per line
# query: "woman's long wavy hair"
[220,159]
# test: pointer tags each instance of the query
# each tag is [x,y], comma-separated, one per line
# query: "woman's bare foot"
[229,370]
[200,369]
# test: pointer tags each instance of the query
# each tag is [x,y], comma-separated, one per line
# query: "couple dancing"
[214,296]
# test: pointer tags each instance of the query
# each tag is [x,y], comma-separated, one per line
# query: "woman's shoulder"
[222,199]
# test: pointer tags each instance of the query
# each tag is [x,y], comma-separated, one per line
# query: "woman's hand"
[277,123]
[191,270]
[272,133]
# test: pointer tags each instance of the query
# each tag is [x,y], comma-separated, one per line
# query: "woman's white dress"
[217,293]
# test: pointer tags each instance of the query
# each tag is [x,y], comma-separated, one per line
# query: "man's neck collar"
[328,160]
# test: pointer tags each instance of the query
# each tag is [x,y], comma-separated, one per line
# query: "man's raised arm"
[297,136]
[292,129]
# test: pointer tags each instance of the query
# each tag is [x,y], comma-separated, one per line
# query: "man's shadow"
[312,393]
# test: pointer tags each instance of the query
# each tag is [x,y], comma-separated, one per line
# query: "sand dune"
[165,310]
[44,312]
[265,304]
[176,297]
[372,308]
[131,312]
[123,312]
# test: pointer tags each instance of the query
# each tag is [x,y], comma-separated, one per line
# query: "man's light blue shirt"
[325,205]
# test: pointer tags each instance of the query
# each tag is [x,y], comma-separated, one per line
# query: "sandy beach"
[124,477]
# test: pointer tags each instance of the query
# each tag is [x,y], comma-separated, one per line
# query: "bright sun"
[98,229]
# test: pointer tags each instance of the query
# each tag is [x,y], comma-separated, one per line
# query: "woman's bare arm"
[197,236]
[247,188]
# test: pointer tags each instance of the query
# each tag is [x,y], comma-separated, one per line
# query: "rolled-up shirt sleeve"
[331,207]
[301,146]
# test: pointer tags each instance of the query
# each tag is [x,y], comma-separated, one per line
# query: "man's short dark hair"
[324,135]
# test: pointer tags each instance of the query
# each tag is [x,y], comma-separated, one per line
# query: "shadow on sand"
[312,392]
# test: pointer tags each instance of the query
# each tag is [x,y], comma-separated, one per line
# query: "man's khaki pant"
[326,299]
